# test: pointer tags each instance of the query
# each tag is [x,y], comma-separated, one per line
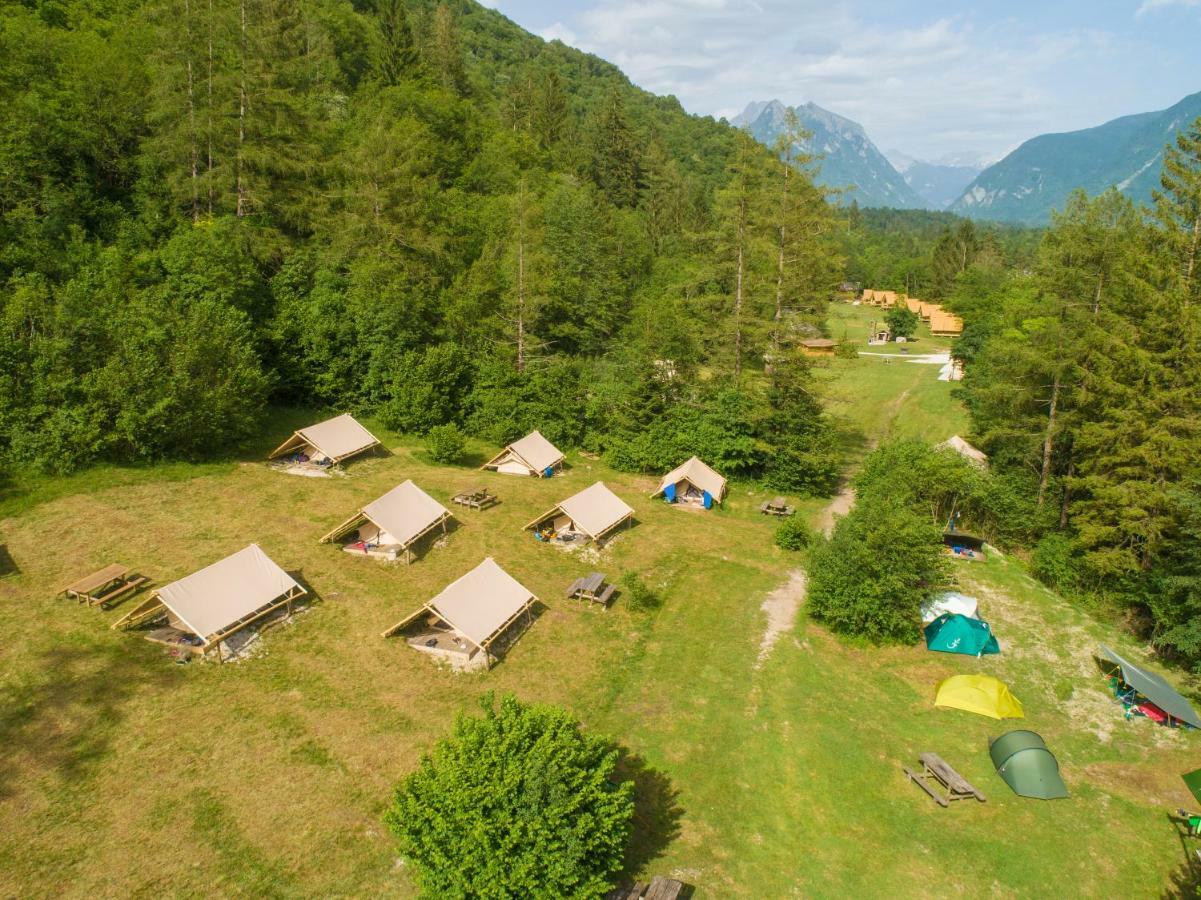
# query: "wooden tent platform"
[104,586]
[937,770]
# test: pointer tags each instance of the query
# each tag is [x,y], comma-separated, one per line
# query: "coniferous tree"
[616,156]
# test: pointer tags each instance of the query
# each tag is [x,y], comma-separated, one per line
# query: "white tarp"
[339,437]
[219,595]
[964,449]
[596,509]
[480,602]
[950,602]
[699,474]
[405,512]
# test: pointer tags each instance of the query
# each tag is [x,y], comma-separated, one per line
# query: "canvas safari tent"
[1149,686]
[693,483]
[980,694]
[466,620]
[393,524]
[327,443]
[1022,759]
[199,612]
[532,455]
[958,445]
[592,514]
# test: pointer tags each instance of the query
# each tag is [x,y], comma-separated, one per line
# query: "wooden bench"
[937,770]
[776,507]
[102,587]
[660,888]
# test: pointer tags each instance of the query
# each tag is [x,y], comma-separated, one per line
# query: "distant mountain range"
[849,159]
[1039,175]
[938,182]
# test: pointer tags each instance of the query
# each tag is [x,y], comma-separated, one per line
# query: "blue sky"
[925,77]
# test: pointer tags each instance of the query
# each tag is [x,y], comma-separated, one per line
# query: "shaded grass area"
[125,774]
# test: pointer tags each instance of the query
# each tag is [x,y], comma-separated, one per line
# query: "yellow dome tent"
[979,694]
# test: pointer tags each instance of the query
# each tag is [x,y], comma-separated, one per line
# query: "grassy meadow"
[126,775]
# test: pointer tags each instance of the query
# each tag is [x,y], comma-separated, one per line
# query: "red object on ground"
[1153,712]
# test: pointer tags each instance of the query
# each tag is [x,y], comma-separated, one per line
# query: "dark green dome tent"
[1021,757]
[953,633]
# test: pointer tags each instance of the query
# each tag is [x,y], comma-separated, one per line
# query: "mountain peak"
[848,158]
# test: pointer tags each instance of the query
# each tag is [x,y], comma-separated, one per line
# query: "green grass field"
[125,775]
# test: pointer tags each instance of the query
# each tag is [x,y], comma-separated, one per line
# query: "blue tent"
[953,633]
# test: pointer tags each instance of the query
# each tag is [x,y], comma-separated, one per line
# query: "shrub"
[446,443]
[793,534]
[637,594]
[1055,563]
[902,321]
[870,578]
[519,803]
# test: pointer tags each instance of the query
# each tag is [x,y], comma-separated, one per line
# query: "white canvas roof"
[214,598]
[596,509]
[699,474]
[478,604]
[537,451]
[950,602]
[405,512]
[339,437]
[964,449]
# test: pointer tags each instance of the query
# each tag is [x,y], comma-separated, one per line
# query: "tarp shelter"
[950,602]
[1153,687]
[532,455]
[219,600]
[592,513]
[1023,760]
[951,633]
[471,612]
[962,545]
[963,448]
[395,522]
[692,482]
[333,440]
[980,694]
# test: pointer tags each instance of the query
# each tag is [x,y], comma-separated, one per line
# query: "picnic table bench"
[776,507]
[591,588]
[938,770]
[104,586]
[660,888]
[477,499]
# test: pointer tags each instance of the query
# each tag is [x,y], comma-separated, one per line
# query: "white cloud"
[927,87]
[559,32]
[1151,5]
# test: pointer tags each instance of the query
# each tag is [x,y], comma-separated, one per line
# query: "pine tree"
[396,54]
[616,156]
[445,52]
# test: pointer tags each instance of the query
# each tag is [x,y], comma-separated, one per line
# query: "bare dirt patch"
[781,607]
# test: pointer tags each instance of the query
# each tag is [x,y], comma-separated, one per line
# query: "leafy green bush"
[793,534]
[870,578]
[1055,562]
[446,443]
[637,594]
[518,803]
[902,321]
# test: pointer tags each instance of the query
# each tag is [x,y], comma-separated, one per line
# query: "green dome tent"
[953,633]
[1023,760]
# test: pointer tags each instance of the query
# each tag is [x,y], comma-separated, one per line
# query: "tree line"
[410,209]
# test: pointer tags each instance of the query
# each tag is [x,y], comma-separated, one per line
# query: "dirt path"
[781,607]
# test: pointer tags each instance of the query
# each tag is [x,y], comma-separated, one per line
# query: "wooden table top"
[89,583]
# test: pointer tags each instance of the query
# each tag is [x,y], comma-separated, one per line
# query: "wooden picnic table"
[477,499]
[103,586]
[592,588]
[660,888]
[777,506]
[938,770]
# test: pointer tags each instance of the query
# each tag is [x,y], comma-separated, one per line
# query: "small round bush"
[793,534]
[446,443]
[637,594]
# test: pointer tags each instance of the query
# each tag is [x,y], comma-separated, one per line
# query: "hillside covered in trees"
[211,206]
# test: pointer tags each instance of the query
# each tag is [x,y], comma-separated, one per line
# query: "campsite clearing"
[269,778]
